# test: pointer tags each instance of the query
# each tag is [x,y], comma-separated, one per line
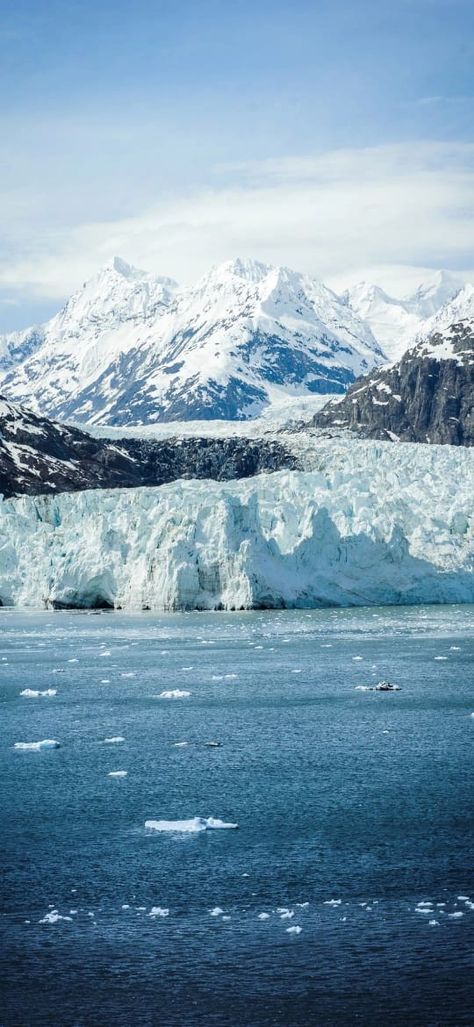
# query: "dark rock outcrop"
[40,456]
[428,396]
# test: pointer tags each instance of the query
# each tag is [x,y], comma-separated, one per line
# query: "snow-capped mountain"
[130,348]
[427,395]
[396,322]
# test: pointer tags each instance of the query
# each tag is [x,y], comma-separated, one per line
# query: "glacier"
[367,523]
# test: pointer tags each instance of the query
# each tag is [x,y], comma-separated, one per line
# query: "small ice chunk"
[33,693]
[294,930]
[125,906]
[105,681]
[217,911]
[386,686]
[462,898]
[297,671]
[114,740]
[263,916]
[441,657]
[46,743]
[74,660]
[457,915]
[174,693]
[302,905]
[226,918]
[53,917]
[128,674]
[363,688]
[117,773]
[179,745]
[230,677]
[288,915]
[433,923]
[332,902]
[193,826]
[106,652]
[158,911]
[357,658]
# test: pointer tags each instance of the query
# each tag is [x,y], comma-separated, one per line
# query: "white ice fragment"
[53,917]
[217,911]
[174,693]
[193,826]
[357,658]
[159,911]
[180,745]
[332,902]
[294,930]
[32,693]
[433,923]
[263,916]
[462,898]
[73,660]
[125,906]
[288,915]
[46,743]
[117,773]
[441,657]
[456,915]
[114,740]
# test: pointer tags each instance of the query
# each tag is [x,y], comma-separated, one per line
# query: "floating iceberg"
[32,693]
[46,743]
[174,693]
[53,917]
[193,826]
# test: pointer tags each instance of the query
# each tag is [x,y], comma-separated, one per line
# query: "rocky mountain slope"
[395,322]
[39,456]
[130,348]
[427,396]
[373,523]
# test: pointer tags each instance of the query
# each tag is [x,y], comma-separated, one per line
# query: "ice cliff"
[371,523]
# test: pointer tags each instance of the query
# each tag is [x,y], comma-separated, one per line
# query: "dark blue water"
[358,797]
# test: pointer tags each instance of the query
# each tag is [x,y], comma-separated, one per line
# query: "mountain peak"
[123,268]
[242,267]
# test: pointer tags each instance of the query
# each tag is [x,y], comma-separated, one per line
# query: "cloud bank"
[385,212]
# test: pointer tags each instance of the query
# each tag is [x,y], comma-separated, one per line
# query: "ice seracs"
[360,528]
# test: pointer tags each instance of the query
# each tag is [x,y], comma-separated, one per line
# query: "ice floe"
[33,693]
[174,693]
[294,930]
[53,917]
[46,743]
[193,826]
[156,911]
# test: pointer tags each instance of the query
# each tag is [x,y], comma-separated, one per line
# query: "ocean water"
[354,811]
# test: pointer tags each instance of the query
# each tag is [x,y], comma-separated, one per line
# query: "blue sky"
[335,137]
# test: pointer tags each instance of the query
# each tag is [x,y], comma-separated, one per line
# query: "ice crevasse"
[370,523]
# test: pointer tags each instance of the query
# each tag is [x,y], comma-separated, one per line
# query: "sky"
[332,136]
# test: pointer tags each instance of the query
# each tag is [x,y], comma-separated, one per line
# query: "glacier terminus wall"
[370,523]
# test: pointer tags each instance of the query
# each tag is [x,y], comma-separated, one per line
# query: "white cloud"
[390,209]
